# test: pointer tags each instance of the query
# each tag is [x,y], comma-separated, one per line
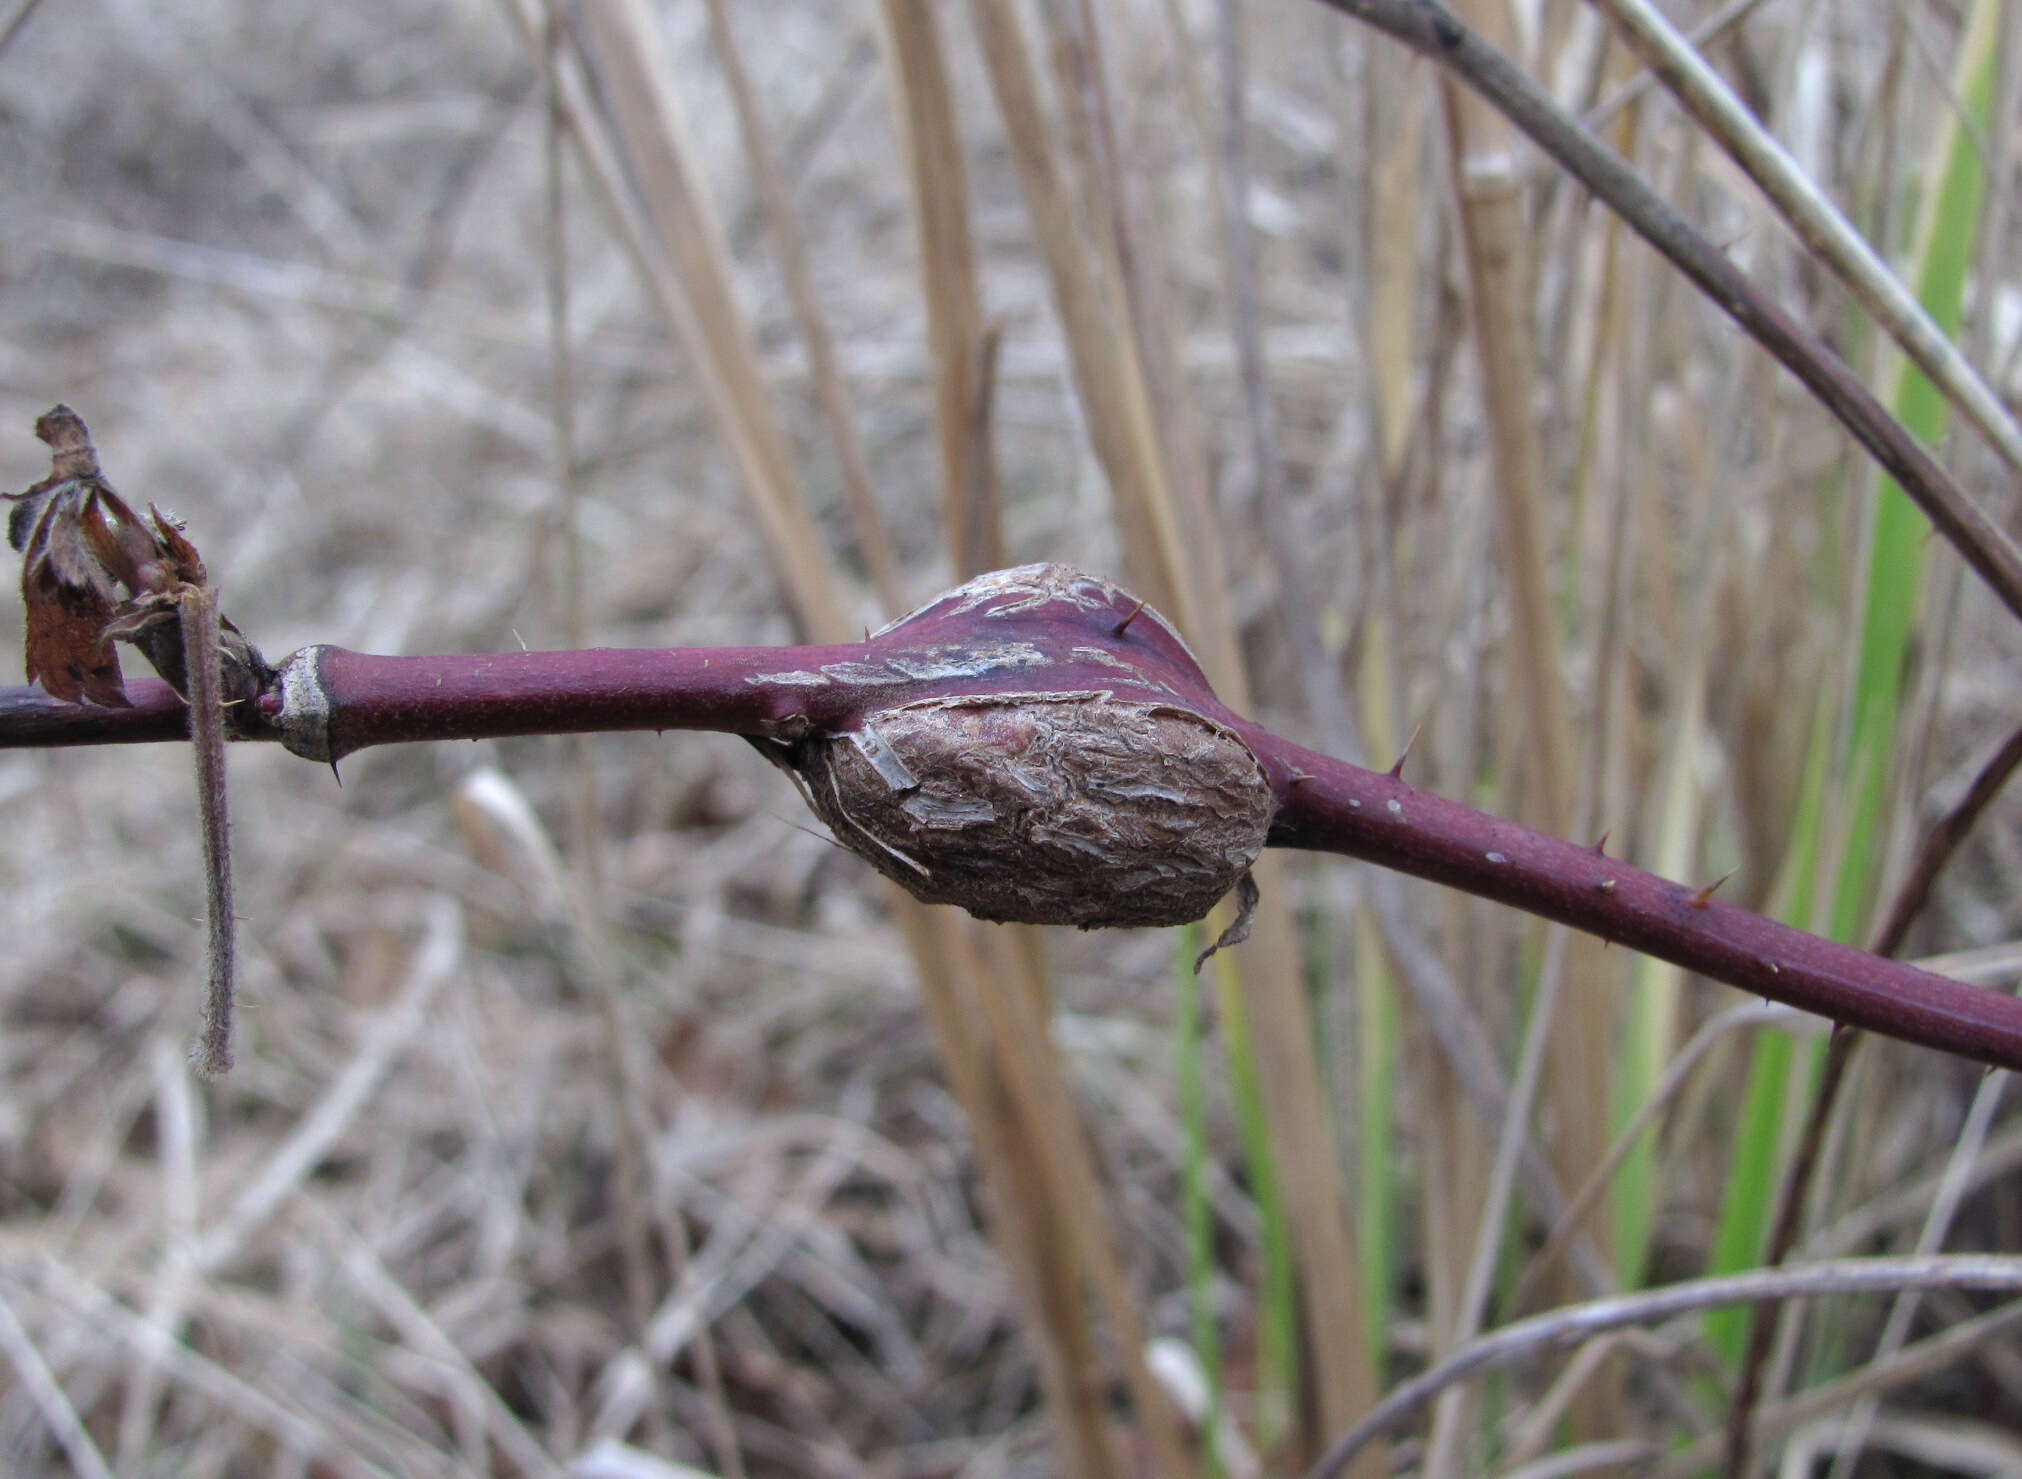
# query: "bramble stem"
[31,719]
[1380,819]
[995,642]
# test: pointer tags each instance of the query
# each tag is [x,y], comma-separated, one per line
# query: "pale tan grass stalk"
[1599,410]
[42,1387]
[1066,1236]
[1451,1183]
[1138,254]
[1345,1361]
[583,800]
[1809,212]
[1392,118]
[924,118]
[1107,376]
[1026,1220]
[1614,399]
[632,1114]
[1110,379]
[649,127]
[1009,995]
[873,540]
[1088,156]
[1482,157]
[1382,205]
[1050,1277]
[1465,1320]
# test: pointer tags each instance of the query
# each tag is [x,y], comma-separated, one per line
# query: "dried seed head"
[1118,805]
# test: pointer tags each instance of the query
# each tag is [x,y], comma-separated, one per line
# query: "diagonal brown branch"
[1431,29]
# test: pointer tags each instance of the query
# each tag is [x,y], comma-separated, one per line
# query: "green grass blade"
[1196,1211]
[1376,1050]
[1942,252]
[1277,1302]
[1753,1173]
[1898,534]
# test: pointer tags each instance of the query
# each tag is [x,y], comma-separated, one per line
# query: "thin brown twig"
[1942,841]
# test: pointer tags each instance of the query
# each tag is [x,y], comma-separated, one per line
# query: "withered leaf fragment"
[65,527]
[80,544]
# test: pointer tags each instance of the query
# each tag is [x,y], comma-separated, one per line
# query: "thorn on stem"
[1601,847]
[1124,625]
[1298,778]
[1704,897]
[1397,770]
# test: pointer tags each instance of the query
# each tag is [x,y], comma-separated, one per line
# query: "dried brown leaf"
[81,545]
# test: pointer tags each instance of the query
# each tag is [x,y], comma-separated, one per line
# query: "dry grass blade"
[1107,374]
[923,111]
[1810,213]
[1482,156]
[1006,996]
[1430,28]
[873,540]
[47,1393]
[1110,378]
[395,1304]
[691,282]
[358,1453]
[702,311]
[1027,1219]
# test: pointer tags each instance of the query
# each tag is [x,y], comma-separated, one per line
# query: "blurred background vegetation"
[596,1116]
